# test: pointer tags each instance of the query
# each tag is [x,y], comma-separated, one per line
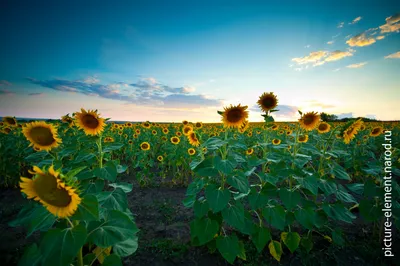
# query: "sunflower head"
[249,151]
[191,151]
[187,129]
[193,139]
[145,146]
[276,141]
[323,127]
[350,130]
[130,142]
[160,158]
[267,101]
[90,122]
[302,138]
[53,190]
[275,127]
[154,132]
[185,122]
[199,125]
[175,140]
[10,121]
[234,116]
[309,121]
[41,135]
[165,130]
[376,131]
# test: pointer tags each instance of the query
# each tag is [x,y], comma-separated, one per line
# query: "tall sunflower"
[234,116]
[193,139]
[309,121]
[53,190]
[267,101]
[90,122]
[41,135]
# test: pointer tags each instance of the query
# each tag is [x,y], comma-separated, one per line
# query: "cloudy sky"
[172,60]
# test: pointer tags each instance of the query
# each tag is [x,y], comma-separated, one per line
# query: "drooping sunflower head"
[41,135]
[187,129]
[90,121]
[376,131]
[276,141]
[249,151]
[175,140]
[234,116]
[267,101]
[10,121]
[191,151]
[193,139]
[50,188]
[309,121]
[302,138]
[145,146]
[323,127]
[160,158]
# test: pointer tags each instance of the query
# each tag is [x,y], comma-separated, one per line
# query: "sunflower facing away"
[323,128]
[52,190]
[145,146]
[193,139]
[41,135]
[191,151]
[10,121]
[267,101]
[234,116]
[90,122]
[309,121]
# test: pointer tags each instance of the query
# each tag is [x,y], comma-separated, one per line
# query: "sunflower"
[51,189]
[42,135]
[187,129]
[351,131]
[323,128]
[249,151]
[160,158]
[309,121]
[145,146]
[175,140]
[6,130]
[154,132]
[185,122]
[234,116]
[250,134]
[376,131]
[199,125]
[191,151]
[135,136]
[267,101]
[164,138]
[178,134]
[243,127]
[204,150]
[193,140]
[146,125]
[281,132]
[130,142]
[275,127]
[165,130]
[90,122]
[276,141]
[302,138]
[10,121]
[289,132]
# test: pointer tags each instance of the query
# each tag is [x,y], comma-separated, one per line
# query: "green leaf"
[257,199]
[31,256]
[229,248]
[113,200]
[126,187]
[59,247]
[307,243]
[239,182]
[306,217]
[328,187]
[225,166]
[204,229]
[310,183]
[337,237]
[275,215]
[339,212]
[369,211]
[189,201]
[127,247]
[289,198]
[112,260]
[37,156]
[261,238]
[121,168]
[217,198]
[234,215]
[75,172]
[356,188]
[201,208]
[291,240]
[84,155]
[339,172]
[206,168]
[342,195]
[88,209]
[84,175]
[195,187]
[107,172]
[275,249]
[108,147]
[214,143]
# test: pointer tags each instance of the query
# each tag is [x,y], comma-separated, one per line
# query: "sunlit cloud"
[370,116]
[319,58]
[394,55]
[340,25]
[330,42]
[337,55]
[357,19]
[358,65]
[360,40]
[315,104]
[313,57]
[380,37]
[336,70]
[392,24]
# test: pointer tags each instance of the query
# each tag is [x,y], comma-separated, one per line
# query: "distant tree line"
[333,118]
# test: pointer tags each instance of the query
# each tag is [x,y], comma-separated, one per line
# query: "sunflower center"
[235,115]
[308,120]
[145,146]
[323,127]
[268,102]
[90,121]
[11,121]
[42,136]
[46,187]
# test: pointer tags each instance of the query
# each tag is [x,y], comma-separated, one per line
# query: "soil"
[164,237]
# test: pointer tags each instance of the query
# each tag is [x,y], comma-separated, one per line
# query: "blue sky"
[175,60]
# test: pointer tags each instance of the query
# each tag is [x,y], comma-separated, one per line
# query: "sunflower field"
[249,193]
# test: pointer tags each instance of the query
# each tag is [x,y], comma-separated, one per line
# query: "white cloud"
[360,40]
[337,55]
[394,55]
[340,25]
[357,19]
[330,42]
[358,65]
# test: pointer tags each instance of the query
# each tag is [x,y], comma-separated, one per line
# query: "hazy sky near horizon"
[169,61]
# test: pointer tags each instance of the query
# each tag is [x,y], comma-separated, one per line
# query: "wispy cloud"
[284,110]
[319,58]
[360,40]
[336,70]
[313,57]
[345,115]
[394,55]
[5,83]
[6,92]
[146,91]
[337,55]
[307,46]
[357,19]
[340,25]
[392,24]
[330,42]
[36,94]
[315,103]
[381,37]
[358,65]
